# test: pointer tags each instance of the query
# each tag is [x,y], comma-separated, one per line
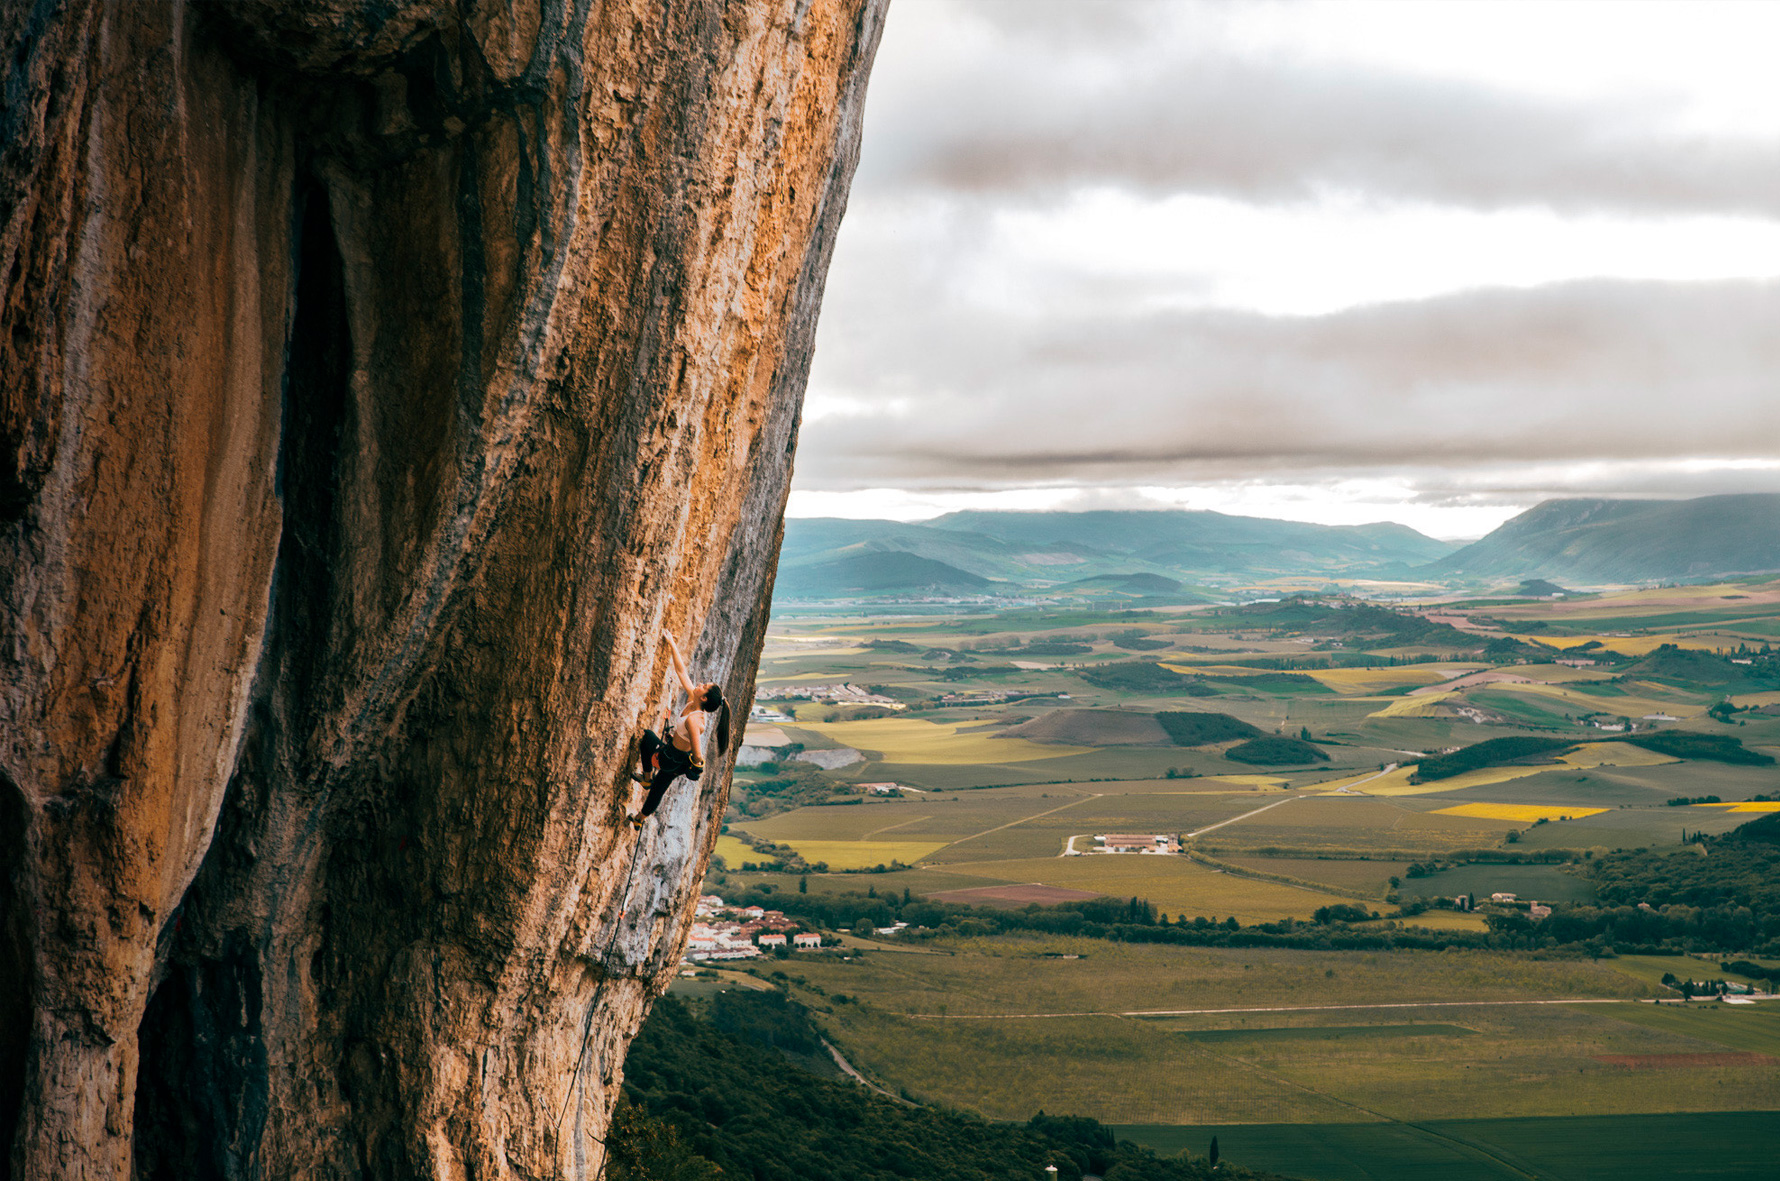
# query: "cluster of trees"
[1752,970]
[1144,677]
[702,1102]
[1274,751]
[1691,988]
[1495,752]
[1492,752]
[1740,867]
[1200,729]
[779,787]
[1685,744]
[1343,912]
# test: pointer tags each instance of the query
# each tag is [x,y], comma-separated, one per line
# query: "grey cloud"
[1605,371]
[1045,112]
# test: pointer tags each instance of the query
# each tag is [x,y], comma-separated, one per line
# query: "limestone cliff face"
[377,379]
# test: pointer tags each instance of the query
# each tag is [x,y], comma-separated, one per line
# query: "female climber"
[680,752]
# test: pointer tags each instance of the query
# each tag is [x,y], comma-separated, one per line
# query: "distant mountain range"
[1149,554]
[1623,541]
[1128,553]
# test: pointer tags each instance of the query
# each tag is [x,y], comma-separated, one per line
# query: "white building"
[1138,843]
[717,943]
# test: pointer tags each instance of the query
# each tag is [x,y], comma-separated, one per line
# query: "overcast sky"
[1344,262]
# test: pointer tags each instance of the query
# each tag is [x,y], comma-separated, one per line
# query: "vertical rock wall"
[377,380]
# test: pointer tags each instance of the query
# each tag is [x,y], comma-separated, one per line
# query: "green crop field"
[1751,1028]
[1630,828]
[1322,1033]
[1346,874]
[1134,1034]
[1706,1146]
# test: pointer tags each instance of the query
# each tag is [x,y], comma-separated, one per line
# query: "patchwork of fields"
[1456,1062]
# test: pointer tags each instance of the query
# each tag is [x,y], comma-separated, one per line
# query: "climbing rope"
[593,1007]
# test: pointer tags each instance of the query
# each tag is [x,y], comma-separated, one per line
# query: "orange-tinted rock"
[376,381]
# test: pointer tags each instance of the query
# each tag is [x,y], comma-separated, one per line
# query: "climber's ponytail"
[714,701]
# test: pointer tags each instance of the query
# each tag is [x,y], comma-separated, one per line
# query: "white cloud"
[1425,262]
[1319,257]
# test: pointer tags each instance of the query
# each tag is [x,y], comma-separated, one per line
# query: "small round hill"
[1271,751]
[1091,727]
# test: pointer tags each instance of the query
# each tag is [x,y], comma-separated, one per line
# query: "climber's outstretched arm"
[679,663]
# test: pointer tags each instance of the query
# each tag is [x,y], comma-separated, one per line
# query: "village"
[721,932]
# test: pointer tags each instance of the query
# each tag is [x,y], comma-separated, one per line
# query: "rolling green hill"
[1617,541]
[878,573]
[1113,554]
[1351,619]
[1692,668]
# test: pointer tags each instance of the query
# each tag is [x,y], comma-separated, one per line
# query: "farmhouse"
[713,943]
[1138,843]
[807,942]
[771,941]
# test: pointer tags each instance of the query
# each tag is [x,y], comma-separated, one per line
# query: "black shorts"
[663,762]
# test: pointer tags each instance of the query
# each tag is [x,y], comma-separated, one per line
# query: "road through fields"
[1244,816]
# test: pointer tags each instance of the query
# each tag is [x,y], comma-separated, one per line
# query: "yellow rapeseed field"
[1424,705]
[1746,806]
[913,740]
[734,852]
[1522,812]
[1615,754]
[1636,645]
[1396,783]
[1215,670]
[1369,680]
[1261,781]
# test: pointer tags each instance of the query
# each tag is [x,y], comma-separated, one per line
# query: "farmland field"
[864,854]
[1281,1036]
[1519,812]
[913,740]
[1320,1063]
